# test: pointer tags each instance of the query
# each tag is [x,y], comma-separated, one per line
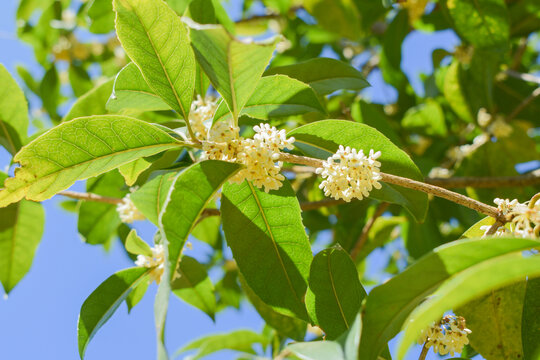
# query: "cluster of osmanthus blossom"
[156,261]
[448,336]
[223,142]
[525,218]
[127,211]
[350,174]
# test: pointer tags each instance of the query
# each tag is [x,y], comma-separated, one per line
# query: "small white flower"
[156,261]
[202,110]
[350,174]
[525,218]
[505,206]
[127,211]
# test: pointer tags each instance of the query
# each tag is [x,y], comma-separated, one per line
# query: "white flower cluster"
[525,221]
[259,155]
[350,174]
[156,261]
[128,211]
[448,336]
[201,111]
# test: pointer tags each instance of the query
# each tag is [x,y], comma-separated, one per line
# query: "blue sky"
[38,320]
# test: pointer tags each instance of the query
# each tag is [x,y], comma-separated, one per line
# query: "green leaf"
[269,243]
[455,94]
[322,138]
[475,232]
[157,41]
[136,245]
[100,17]
[498,338]
[317,350]
[190,193]
[426,118]
[339,16]
[136,295]
[276,96]
[21,228]
[150,198]
[483,23]
[49,91]
[98,221]
[132,170]
[192,284]
[13,113]
[132,92]
[285,325]
[80,149]
[380,234]
[233,67]
[389,304]
[239,340]
[472,283]
[530,329]
[335,293]
[79,80]
[91,103]
[351,339]
[104,301]
[324,75]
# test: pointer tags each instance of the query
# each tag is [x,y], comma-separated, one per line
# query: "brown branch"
[424,352]
[90,197]
[522,76]
[365,230]
[524,104]
[487,182]
[442,193]
[493,228]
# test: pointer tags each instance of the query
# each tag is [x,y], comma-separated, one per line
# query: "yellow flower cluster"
[447,336]
[156,261]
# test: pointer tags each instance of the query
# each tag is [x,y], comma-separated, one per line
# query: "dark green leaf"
[285,325]
[530,329]
[188,196]
[269,244]
[335,293]
[192,284]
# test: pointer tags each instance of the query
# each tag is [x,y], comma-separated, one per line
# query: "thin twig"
[487,182]
[411,184]
[524,104]
[442,193]
[365,230]
[90,197]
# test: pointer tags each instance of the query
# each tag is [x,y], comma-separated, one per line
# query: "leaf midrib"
[162,66]
[8,136]
[67,168]
[273,240]
[334,292]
